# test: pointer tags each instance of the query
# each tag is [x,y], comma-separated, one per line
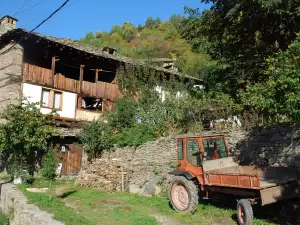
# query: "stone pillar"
[11,66]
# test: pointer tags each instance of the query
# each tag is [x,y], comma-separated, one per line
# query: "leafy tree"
[95,138]
[150,22]
[243,34]
[49,166]
[25,137]
[124,115]
[176,21]
[278,97]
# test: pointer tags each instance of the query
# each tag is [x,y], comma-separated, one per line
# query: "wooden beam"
[115,80]
[97,75]
[52,70]
[81,77]
[79,104]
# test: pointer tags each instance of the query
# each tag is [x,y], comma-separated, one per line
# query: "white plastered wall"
[33,94]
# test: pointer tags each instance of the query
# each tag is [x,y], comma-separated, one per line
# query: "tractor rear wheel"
[244,212]
[184,195]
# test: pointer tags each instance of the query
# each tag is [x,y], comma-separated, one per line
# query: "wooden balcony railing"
[43,76]
[87,115]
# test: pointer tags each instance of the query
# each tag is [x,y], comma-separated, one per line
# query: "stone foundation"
[14,204]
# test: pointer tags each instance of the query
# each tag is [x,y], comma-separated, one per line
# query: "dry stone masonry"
[148,166]
[14,204]
[11,64]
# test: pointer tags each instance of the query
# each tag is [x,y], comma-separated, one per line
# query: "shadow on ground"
[283,213]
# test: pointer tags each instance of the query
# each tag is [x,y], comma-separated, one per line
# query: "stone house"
[76,80]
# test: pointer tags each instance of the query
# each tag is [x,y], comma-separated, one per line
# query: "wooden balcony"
[87,115]
[43,76]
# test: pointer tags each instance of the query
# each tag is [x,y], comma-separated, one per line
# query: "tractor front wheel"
[244,212]
[184,195]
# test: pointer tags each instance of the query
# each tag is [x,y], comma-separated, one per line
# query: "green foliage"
[134,136]
[155,39]
[124,116]
[25,137]
[243,34]
[49,166]
[156,171]
[95,138]
[239,48]
[4,220]
[278,98]
[174,165]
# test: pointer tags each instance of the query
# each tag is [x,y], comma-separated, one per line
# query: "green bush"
[25,138]
[95,138]
[49,166]
[134,136]
[125,114]
[277,99]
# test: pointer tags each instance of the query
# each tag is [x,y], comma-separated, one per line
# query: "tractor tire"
[184,195]
[244,212]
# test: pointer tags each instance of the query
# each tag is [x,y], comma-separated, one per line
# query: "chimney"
[7,23]
[110,50]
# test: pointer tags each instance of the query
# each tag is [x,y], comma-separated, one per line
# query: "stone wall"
[14,204]
[273,145]
[149,164]
[10,76]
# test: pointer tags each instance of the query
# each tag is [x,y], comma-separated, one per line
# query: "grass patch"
[92,206]
[4,220]
[5,176]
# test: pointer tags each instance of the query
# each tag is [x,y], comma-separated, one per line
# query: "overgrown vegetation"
[251,40]
[25,138]
[278,98]
[155,105]
[232,46]
[95,139]
[246,52]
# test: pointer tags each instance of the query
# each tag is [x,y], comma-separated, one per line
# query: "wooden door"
[70,159]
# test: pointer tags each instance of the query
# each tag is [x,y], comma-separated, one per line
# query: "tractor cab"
[198,154]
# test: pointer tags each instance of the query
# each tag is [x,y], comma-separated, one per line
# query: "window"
[51,99]
[57,100]
[180,149]
[45,98]
[215,148]
[193,152]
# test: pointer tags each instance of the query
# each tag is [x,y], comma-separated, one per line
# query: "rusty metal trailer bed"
[270,184]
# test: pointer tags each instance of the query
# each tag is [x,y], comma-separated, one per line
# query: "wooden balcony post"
[79,104]
[97,75]
[52,70]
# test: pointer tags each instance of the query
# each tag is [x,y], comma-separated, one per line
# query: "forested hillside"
[247,52]
[155,39]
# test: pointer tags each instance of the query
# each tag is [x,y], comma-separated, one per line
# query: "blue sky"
[81,16]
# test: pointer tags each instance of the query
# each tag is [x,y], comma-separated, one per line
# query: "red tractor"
[205,166]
